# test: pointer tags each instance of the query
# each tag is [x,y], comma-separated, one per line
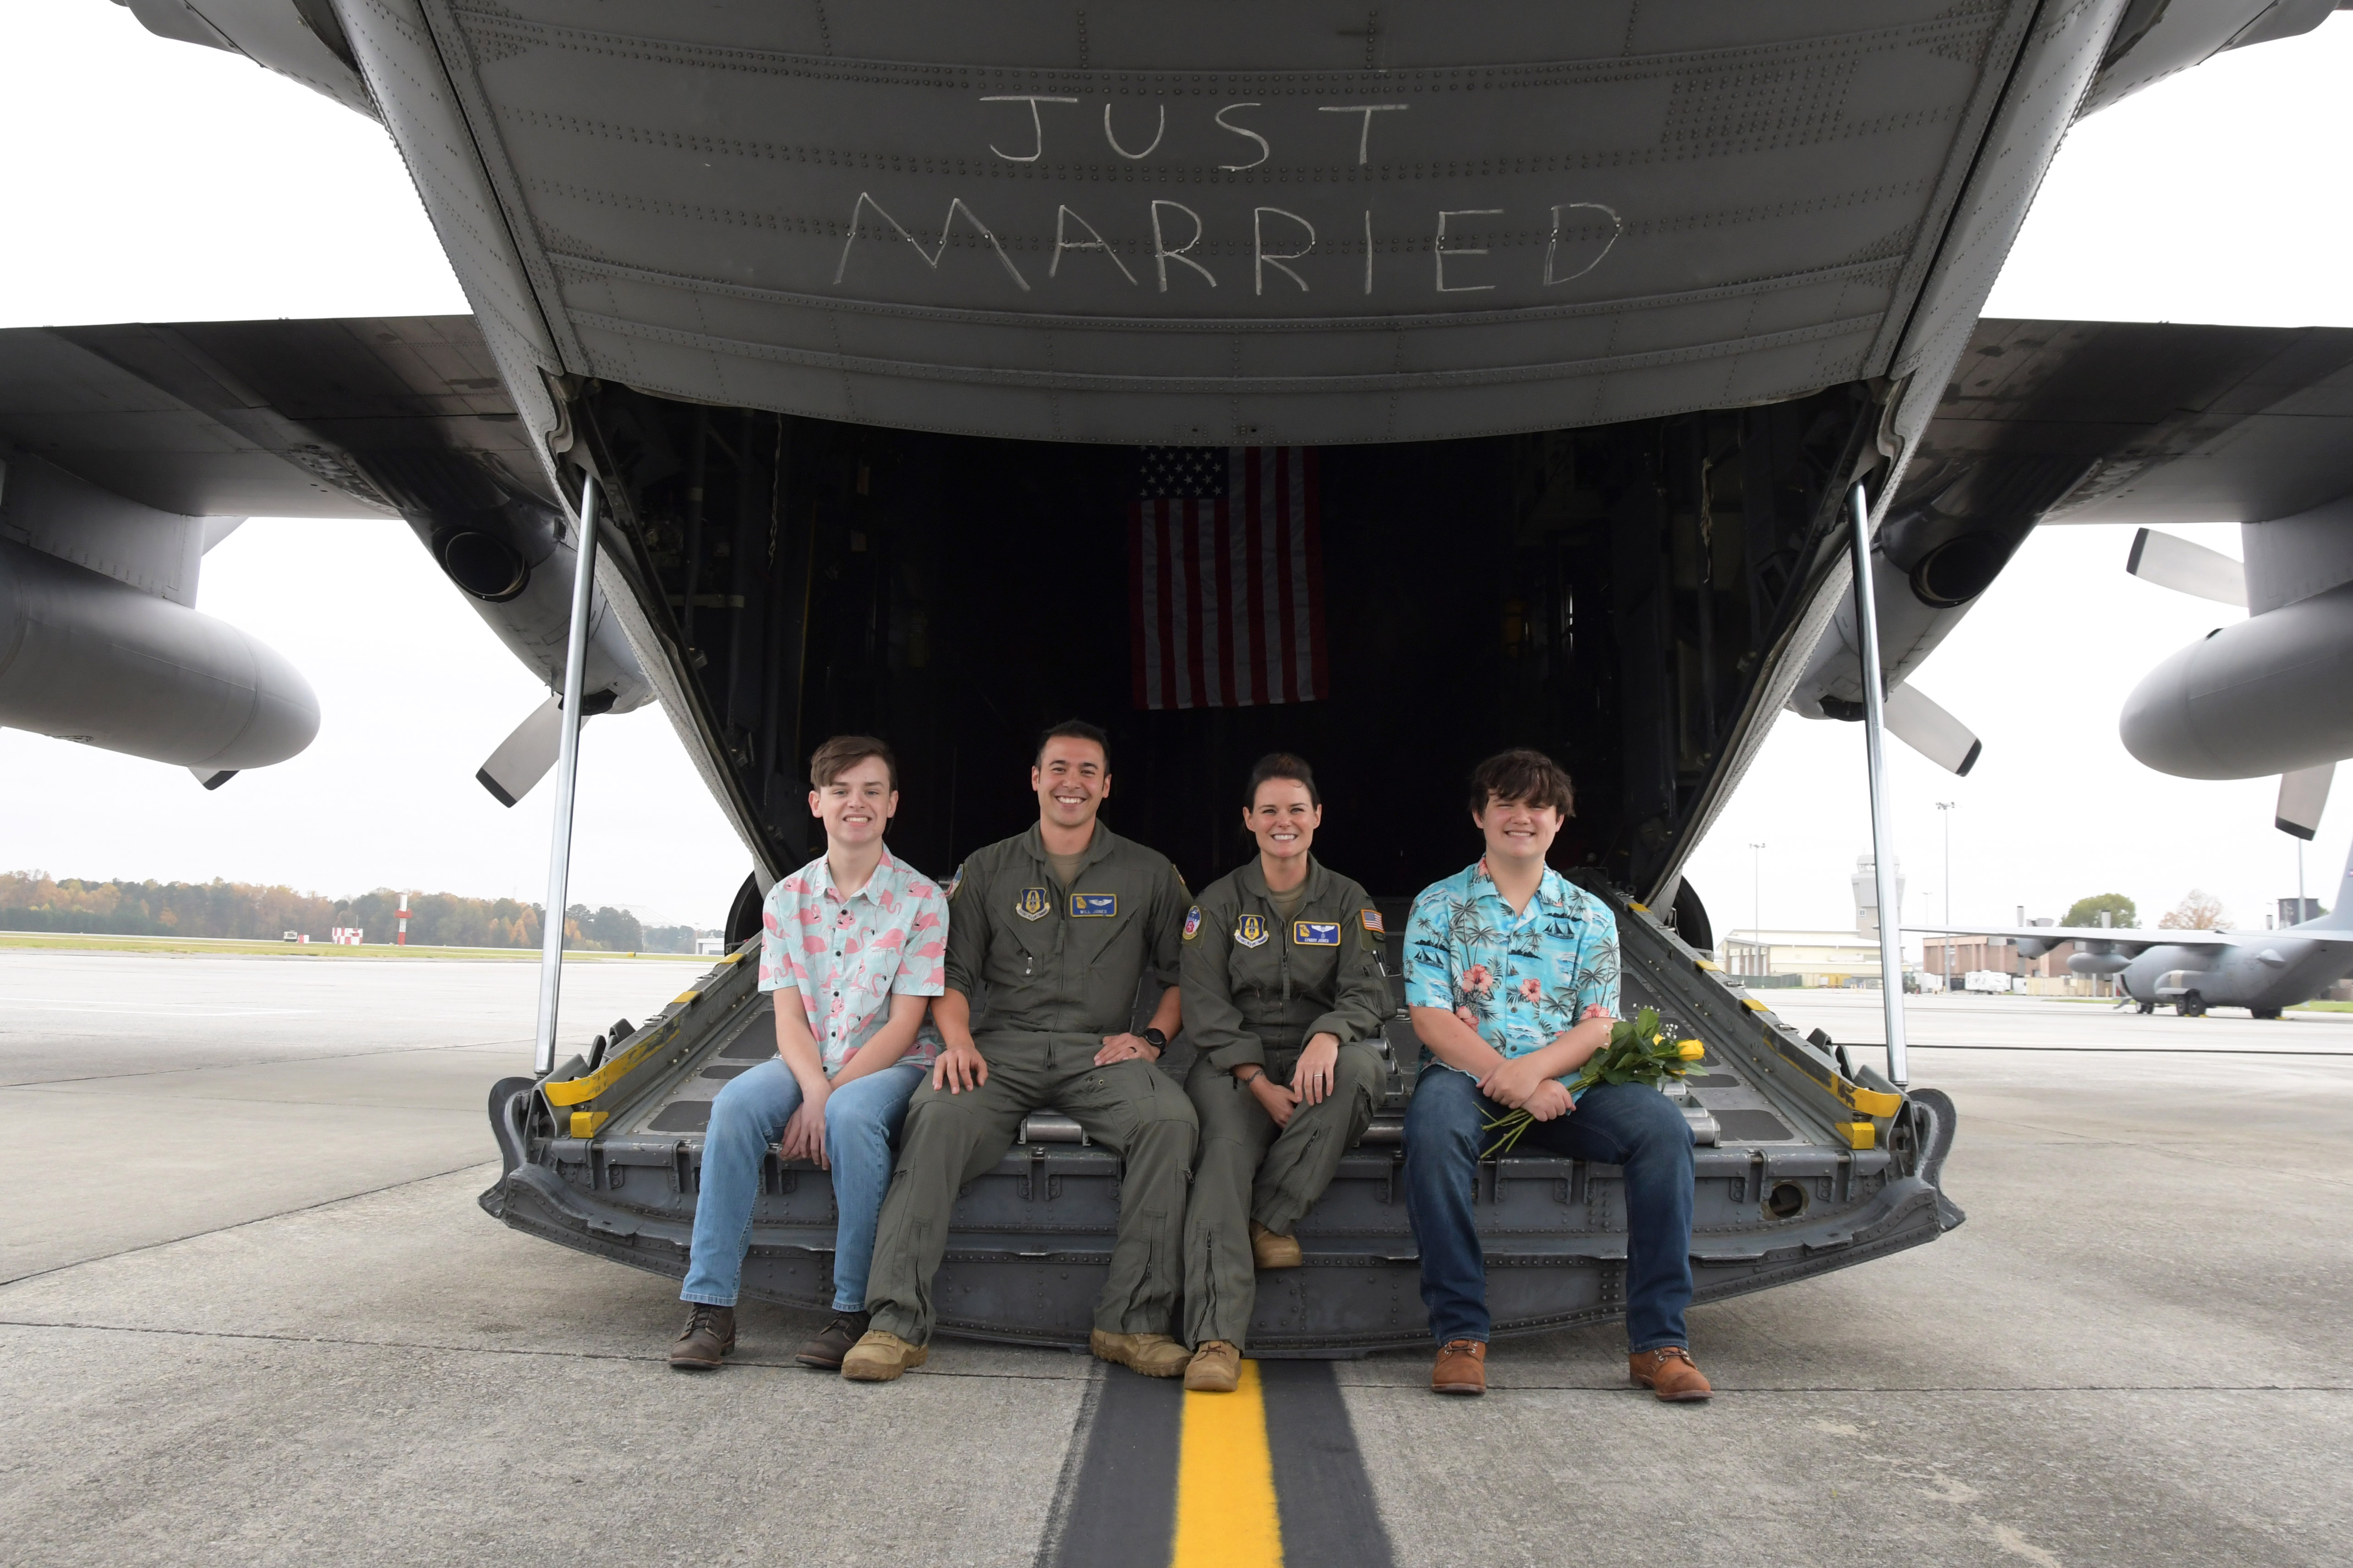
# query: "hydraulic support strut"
[1883,838]
[567,776]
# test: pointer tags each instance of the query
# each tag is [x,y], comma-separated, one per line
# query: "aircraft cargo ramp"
[1803,1166]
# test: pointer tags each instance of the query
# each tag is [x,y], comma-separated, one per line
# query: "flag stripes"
[1227,583]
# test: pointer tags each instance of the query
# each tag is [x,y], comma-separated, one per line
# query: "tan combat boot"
[879,1356]
[1216,1368]
[1669,1373]
[1153,1356]
[1269,1250]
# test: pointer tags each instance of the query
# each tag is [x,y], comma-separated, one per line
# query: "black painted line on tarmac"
[1115,1506]
[1329,1515]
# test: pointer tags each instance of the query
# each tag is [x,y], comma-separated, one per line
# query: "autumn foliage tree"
[35,901]
[2199,910]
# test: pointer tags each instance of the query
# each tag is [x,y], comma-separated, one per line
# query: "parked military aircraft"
[943,370]
[2262,971]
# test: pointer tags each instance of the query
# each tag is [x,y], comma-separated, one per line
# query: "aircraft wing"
[127,451]
[2147,422]
[287,418]
[2130,937]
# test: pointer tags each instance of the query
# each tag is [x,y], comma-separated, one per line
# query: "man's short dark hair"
[1281,765]
[843,752]
[1522,775]
[1072,730]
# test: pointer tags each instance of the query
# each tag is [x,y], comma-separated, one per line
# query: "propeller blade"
[2187,568]
[1928,729]
[2302,796]
[524,758]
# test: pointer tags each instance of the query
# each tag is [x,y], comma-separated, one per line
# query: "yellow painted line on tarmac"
[1226,1510]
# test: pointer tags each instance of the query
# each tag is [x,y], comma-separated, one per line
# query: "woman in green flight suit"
[1283,989]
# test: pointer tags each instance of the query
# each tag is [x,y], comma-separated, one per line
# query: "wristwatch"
[1155,1040]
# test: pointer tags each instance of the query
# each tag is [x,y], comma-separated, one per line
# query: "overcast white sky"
[152,181]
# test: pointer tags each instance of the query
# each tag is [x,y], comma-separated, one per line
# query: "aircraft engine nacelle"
[2085,963]
[2273,694]
[85,658]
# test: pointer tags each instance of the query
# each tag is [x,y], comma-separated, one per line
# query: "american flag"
[1225,576]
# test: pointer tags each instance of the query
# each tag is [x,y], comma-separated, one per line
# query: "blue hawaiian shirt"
[1518,979]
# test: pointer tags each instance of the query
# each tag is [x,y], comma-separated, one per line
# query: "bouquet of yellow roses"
[1638,1052]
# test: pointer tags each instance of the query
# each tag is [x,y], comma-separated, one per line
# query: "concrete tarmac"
[250,1310]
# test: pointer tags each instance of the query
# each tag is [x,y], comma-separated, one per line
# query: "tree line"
[35,901]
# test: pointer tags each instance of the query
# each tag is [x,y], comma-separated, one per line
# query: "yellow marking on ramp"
[1226,1514]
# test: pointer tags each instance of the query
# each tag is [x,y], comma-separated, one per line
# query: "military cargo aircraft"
[1390,387]
[2262,971]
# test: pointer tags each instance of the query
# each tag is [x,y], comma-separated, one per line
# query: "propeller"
[2302,795]
[2187,568]
[524,758]
[1928,729]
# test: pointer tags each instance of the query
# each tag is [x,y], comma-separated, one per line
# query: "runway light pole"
[1756,903]
[567,776]
[1945,809]
[1882,838]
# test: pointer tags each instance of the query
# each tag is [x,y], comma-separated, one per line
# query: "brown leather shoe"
[1669,1373]
[1153,1356]
[1269,1250]
[1462,1368]
[709,1335]
[879,1356]
[825,1351]
[1216,1368]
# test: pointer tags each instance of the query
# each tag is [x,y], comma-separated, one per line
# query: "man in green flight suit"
[1285,998]
[1060,923]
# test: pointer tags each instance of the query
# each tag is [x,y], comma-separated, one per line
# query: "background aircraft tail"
[2340,909]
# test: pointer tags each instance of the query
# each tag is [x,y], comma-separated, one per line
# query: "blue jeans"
[861,1118]
[1629,1125]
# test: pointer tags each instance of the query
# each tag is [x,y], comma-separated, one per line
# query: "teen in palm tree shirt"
[1512,979]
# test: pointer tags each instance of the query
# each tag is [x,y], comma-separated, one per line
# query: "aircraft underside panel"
[1196,223]
[607,1161]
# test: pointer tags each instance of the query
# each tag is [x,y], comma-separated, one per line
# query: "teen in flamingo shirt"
[854,947]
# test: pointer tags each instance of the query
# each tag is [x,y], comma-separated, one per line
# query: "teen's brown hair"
[841,753]
[1521,774]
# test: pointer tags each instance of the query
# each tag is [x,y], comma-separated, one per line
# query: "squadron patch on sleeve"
[1033,904]
[1192,922]
[1315,933]
[954,882]
[1373,926]
[1093,906]
[1251,931]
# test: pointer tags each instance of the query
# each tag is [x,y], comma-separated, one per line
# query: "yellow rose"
[1690,1051]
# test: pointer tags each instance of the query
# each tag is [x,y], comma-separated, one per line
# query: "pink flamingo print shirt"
[848,956]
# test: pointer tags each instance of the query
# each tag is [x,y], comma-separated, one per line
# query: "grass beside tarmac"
[219,947]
